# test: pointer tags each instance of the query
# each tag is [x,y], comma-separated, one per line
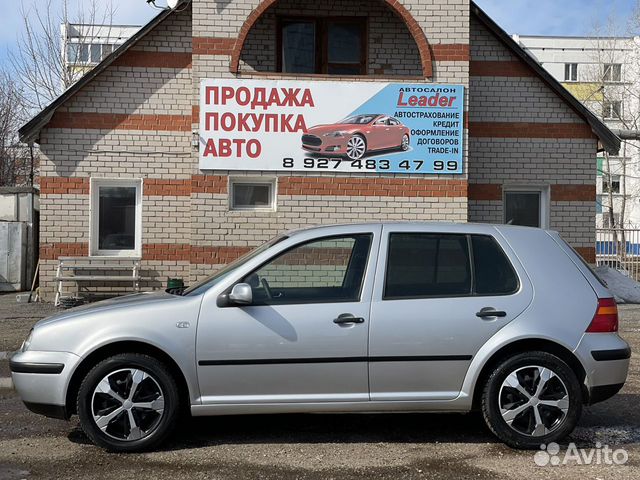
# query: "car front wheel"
[356,147]
[128,402]
[532,399]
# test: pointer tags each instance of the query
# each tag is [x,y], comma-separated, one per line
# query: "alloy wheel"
[405,143]
[356,147]
[533,400]
[127,404]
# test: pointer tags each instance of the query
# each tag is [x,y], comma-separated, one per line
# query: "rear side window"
[427,265]
[492,270]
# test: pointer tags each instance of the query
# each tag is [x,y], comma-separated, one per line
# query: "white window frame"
[607,109]
[261,181]
[94,212]
[545,200]
[570,69]
[608,70]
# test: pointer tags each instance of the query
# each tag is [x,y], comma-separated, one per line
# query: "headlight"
[334,134]
[27,343]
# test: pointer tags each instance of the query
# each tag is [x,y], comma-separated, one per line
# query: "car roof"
[476,227]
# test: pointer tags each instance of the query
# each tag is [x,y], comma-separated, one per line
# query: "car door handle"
[345,318]
[490,312]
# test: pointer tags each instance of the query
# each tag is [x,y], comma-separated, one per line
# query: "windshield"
[206,284]
[359,119]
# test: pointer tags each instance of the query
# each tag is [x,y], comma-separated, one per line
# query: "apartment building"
[604,74]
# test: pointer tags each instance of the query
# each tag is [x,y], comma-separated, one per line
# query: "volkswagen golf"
[393,317]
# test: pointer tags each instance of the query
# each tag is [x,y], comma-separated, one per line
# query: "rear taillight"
[606,318]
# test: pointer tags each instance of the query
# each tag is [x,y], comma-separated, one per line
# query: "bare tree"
[43,64]
[15,161]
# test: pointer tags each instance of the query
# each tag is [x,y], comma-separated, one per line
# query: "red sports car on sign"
[357,135]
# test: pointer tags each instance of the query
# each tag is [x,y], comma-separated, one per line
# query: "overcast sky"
[532,17]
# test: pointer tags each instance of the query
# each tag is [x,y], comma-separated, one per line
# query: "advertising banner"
[331,126]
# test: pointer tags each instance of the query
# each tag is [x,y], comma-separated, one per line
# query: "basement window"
[116,217]
[247,194]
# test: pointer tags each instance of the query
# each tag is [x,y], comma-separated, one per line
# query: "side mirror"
[241,294]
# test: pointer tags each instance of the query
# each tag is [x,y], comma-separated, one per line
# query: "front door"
[439,296]
[304,337]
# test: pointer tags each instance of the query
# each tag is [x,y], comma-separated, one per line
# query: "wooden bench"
[83,270]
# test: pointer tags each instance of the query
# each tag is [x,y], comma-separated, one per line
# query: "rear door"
[439,296]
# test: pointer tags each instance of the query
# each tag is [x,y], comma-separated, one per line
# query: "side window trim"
[358,298]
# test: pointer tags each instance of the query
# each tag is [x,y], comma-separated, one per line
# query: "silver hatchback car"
[350,318]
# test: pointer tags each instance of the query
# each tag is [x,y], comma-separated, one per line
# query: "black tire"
[160,424]
[559,426]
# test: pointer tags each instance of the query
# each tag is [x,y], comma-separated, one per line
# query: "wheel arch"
[523,346]
[118,347]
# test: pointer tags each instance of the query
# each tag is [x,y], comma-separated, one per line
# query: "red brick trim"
[588,253]
[64,185]
[52,251]
[573,193]
[139,58]
[414,28]
[205,255]
[171,252]
[372,187]
[443,52]
[213,184]
[166,188]
[195,114]
[500,69]
[212,45]
[116,121]
[485,191]
[559,193]
[529,130]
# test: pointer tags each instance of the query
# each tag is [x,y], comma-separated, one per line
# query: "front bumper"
[42,378]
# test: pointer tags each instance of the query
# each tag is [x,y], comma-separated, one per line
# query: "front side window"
[334,46]
[321,271]
[427,265]
[116,217]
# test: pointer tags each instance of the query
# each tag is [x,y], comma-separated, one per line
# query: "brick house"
[121,176]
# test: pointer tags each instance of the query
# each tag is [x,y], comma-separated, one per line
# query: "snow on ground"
[625,289]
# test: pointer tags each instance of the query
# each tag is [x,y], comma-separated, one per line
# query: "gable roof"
[610,141]
[29,132]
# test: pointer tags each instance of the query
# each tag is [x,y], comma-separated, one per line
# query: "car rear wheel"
[356,147]
[532,399]
[405,143]
[128,403]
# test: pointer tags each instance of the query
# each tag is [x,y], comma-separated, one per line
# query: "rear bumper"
[605,358]
[603,392]
[51,411]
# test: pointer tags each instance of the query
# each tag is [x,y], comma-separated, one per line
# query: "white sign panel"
[331,126]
